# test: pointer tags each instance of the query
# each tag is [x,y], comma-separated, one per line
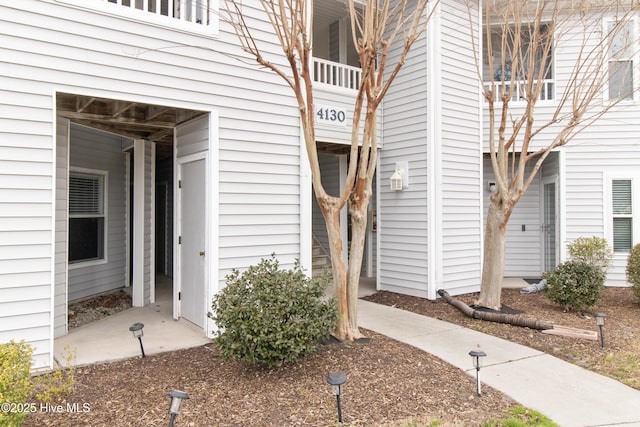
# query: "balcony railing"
[519,90]
[193,11]
[335,74]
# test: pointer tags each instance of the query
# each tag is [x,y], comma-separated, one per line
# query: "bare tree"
[377,26]
[521,38]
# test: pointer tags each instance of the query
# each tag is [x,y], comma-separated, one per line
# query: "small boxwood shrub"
[633,270]
[593,250]
[16,385]
[575,284]
[270,316]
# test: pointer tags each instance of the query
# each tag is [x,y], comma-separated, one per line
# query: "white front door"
[192,241]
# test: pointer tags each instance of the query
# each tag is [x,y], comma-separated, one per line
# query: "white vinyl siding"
[590,169]
[92,150]
[461,160]
[26,217]
[523,257]
[50,46]
[402,217]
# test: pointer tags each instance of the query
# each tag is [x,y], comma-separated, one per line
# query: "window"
[620,65]
[622,215]
[86,216]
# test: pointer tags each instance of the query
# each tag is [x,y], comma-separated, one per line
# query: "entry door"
[192,241]
[550,225]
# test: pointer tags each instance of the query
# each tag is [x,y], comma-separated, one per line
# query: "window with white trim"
[87,238]
[620,59]
[622,209]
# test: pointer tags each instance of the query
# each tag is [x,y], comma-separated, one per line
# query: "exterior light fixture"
[477,356]
[400,178]
[600,323]
[176,401]
[492,187]
[136,329]
[336,379]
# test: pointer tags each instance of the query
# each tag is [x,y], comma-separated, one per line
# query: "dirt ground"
[388,382]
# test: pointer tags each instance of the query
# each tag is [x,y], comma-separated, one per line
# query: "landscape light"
[177,397]
[136,329]
[600,323]
[336,379]
[477,356]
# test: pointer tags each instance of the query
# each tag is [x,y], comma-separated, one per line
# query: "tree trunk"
[494,252]
[358,209]
[347,322]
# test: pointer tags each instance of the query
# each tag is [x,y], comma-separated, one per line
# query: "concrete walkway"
[109,339]
[569,395]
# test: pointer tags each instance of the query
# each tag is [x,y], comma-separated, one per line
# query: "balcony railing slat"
[335,74]
[519,93]
[194,11]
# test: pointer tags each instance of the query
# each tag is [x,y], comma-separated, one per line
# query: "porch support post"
[138,223]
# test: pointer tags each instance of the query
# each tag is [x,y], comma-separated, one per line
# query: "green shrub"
[53,387]
[269,316]
[633,270]
[575,284]
[592,250]
[16,385]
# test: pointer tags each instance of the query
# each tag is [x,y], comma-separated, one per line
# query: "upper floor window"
[509,71]
[87,193]
[620,59]
[622,203]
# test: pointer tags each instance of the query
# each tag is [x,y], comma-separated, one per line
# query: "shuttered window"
[622,215]
[86,216]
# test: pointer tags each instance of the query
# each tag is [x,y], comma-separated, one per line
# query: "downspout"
[434,153]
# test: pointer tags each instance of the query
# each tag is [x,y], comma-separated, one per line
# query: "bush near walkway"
[269,316]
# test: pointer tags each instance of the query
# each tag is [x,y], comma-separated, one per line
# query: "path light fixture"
[600,323]
[477,356]
[136,329]
[177,397]
[336,379]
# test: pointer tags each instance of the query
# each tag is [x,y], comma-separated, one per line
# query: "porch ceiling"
[332,148]
[129,119]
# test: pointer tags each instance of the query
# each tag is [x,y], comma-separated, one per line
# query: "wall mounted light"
[336,380]
[400,178]
[177,397]
[136,329]
[600,323]
[492,187]
[477,356]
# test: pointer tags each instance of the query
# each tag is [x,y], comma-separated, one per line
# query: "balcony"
[194,13]
[519,91]
[335,74]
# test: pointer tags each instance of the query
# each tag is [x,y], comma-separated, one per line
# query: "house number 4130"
[331,115]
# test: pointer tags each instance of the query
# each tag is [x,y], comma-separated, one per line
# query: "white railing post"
[335,74]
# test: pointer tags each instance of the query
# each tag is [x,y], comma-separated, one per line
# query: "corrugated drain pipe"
[511,319]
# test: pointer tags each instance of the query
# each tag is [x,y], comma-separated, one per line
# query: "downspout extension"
[510,319]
